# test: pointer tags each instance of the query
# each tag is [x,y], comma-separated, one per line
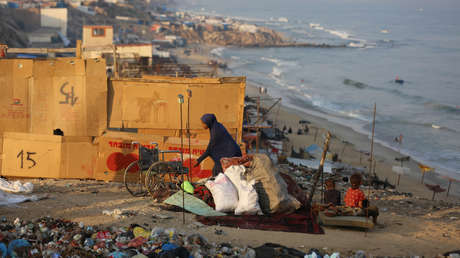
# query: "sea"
[417,41]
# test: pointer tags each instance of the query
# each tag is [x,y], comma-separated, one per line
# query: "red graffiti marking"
[118,161]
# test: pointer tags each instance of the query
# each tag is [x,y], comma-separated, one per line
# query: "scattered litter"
[16,186]
[119,214]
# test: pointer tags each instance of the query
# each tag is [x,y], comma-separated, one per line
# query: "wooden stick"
[448,188]
[372,140]
[320,169]
[370,162]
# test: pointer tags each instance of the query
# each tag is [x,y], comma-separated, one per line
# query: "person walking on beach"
[221,144]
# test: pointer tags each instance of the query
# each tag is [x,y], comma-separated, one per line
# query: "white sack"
[224,193]
[248,202]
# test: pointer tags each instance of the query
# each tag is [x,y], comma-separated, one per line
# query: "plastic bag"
[224,193]
[248,202]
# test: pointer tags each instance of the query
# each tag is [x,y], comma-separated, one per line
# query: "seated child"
[355,198]
[331,195]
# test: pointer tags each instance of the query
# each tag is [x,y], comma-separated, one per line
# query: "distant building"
[99,35]
[248,28]
[54,18]
[44,35]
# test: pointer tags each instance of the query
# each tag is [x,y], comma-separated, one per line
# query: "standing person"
[221,143]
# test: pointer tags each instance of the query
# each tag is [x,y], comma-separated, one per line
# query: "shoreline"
[360,142]
[384,154]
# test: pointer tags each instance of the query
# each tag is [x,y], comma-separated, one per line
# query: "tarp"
[193,205]
[16,186]
[7,198]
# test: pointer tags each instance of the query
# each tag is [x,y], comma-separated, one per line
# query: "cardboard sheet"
[153,104]
[48,156]
[38,96]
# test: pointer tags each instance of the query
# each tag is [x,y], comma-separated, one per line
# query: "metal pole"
[189,96]
[181,102]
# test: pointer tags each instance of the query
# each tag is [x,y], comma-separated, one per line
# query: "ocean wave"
[279,62]
[276,71]
[217,51]
[433,125]
[357,45]
[338,33]
[444,107]
[316,26]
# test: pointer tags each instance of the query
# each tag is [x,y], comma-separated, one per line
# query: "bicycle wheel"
[134,179]
[158,180]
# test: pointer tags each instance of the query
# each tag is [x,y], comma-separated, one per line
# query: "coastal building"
[54,18]
[98,43]
[97,36]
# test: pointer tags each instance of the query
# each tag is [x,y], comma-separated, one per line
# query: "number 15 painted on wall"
[28,158]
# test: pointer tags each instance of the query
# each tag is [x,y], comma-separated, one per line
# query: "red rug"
[301,222]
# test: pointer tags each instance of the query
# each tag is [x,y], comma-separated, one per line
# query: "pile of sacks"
[254,188]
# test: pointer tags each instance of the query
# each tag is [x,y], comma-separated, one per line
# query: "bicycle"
[152,172]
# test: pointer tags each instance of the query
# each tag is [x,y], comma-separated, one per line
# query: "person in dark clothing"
[221,143]
[331,195]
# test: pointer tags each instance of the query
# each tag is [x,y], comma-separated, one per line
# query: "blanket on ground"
[302,221]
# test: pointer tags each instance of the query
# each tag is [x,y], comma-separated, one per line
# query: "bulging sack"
[224,193]
[248,203]
[270,186]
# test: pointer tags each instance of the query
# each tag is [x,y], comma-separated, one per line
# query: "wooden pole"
[448,188]
[316,134]
[320,169]
[372,140]
[115,63]
[257,129]
[78,49]
[370,161]
[423,176]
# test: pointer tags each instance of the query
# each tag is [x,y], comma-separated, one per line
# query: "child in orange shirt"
[355,198]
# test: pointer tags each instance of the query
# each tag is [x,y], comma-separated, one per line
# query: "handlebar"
[170,151]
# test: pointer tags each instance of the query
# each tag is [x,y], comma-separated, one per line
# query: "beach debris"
[119,214]
[50,237]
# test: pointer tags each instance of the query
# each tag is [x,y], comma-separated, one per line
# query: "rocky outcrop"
[263,37]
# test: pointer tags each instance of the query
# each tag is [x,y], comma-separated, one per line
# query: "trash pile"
[49,237]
